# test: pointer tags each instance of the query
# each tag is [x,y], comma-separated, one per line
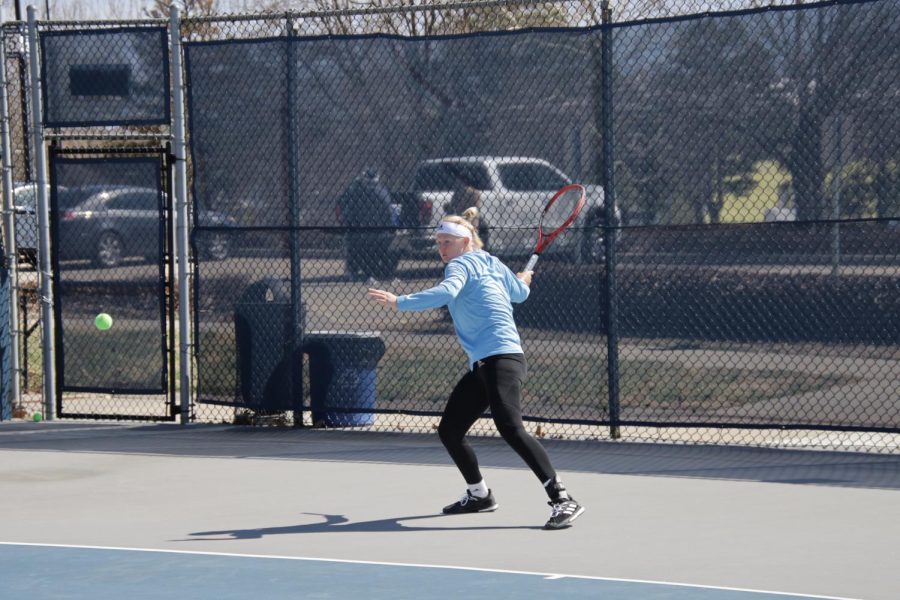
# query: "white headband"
[454,229]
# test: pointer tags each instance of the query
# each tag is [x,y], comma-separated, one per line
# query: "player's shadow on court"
[340,523]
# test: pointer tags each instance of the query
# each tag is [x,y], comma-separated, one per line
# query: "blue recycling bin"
[342,376]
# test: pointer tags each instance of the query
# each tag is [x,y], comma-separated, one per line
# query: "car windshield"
[446,176]
[524,177]
[433,178]
[472,174]
[70,198]
[134,200]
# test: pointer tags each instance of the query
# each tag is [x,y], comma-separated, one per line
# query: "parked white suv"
[512,190]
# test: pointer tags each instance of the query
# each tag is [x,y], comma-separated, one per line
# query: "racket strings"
[556,215]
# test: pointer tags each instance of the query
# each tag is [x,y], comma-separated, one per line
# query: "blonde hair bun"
[470,213]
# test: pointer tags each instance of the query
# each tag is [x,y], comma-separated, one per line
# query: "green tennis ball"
[103,322]
[37,417]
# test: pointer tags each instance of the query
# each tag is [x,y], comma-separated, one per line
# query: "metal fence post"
[9,231]
[836,188]
[181,236]
[48,328]
[609,202]
[297,325]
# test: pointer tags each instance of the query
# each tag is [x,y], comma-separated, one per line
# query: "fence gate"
[110,232]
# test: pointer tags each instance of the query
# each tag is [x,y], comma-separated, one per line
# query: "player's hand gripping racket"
[560,212]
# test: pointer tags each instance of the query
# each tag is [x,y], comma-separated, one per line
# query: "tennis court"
[110,511]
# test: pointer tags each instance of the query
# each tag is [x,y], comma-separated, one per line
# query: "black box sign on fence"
[264,337]
[100,80]
[342,376]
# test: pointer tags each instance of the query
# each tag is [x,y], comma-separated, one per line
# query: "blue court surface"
[126,512]
[28,571]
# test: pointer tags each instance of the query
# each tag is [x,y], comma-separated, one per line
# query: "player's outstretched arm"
[383,297]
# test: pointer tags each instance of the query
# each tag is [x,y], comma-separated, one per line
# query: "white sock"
[479,490]
[558,488]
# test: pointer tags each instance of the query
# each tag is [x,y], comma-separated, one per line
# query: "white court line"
[37,429]
[423,566]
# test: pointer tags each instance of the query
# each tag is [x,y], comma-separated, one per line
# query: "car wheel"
[110,250]
[217,247]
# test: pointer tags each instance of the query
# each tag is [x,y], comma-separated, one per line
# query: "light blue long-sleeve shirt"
[479,291]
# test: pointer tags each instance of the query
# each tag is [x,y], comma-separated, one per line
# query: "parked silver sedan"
[109,224]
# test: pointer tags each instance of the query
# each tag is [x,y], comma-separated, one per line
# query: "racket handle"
[531,262]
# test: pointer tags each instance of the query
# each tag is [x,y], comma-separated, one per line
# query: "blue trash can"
[342,376]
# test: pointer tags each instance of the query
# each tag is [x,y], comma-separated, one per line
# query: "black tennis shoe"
[471,504]
[564,511]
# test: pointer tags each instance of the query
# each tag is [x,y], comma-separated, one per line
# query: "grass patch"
[563,385]
[750,207]
[557,386]
[661,384]
[126,358]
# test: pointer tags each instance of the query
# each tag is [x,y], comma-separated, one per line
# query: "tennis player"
[479,291]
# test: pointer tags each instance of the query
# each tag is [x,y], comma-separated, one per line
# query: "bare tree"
[189,8]
[116,9]
[159,9]
[834,62]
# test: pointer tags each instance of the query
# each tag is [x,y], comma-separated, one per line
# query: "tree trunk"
[806,164]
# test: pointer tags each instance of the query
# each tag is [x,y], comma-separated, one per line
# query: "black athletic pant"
[496,382]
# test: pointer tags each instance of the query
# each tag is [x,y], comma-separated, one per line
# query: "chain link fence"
[26,332]
[744,291]
[84,66]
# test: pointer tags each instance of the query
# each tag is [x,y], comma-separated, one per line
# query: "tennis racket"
[560,212]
